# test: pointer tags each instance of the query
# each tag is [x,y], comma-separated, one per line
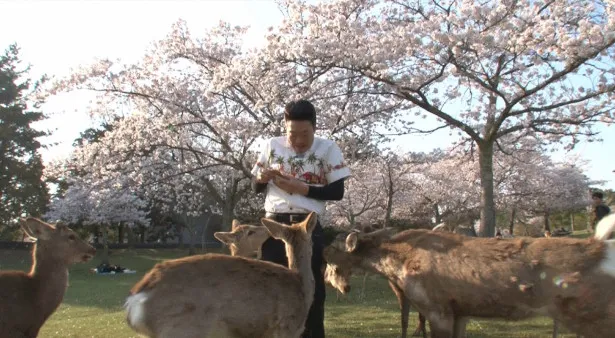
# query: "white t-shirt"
[322,164]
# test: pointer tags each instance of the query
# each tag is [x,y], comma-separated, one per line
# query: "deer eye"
[72,237]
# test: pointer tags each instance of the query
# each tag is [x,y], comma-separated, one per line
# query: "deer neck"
[50,278]
[301,262]
[384,263]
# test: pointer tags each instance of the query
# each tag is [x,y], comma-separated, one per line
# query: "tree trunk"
[191,241]
[511,225]
[228,206]
[204,234]
[130,234]
[437,215]
[571,221]
[97,234]
[350,218]
[142,233]
[227,219]
[547,224]
[180,231]
[487,213]
[589,210]
[120,233]
[390,193]
[105,238]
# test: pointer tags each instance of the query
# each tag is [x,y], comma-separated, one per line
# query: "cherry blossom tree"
[411,188]
[447,182]
[529,183]
[194,107]
[393,169]
[485,69]
[363,197]
[548,187]
[107,204]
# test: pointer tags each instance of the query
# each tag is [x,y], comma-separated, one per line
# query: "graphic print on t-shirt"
[310,169]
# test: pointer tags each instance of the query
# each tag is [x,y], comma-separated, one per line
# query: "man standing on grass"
[300,172]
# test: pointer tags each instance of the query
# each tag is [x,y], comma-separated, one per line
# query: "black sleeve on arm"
[258,187]
[601,211]
[331,192]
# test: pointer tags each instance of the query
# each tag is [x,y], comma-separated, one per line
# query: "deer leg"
[555,328]
[404,306]
[362,295]
[421,329]
[460,327]
[12,332]
[442,325]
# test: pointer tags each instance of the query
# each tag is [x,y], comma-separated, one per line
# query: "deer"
[27,300]
[218,295]
[404,304]
[244,239]
[450,277]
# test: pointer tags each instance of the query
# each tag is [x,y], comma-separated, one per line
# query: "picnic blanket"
[108,269]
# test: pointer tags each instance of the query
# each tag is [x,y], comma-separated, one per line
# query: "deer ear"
[310,222]
[352,242]
[227,238]
[276,230]
[235,224]
[35,228]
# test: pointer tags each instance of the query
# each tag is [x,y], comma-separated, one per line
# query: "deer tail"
[135,313]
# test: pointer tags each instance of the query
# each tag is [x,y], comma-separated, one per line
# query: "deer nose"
[346,289]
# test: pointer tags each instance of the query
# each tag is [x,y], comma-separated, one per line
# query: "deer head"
[341,259]
[58,242]
[297,236]
[244,240]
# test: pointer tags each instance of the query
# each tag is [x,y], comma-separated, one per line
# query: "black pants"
[273,250]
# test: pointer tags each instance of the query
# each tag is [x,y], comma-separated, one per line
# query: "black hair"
[302,110]
[598,194]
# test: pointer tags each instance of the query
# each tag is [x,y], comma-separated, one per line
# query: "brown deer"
[244,240]
[404,303]
[28,299]
[215,295]
[450,277]
[333,278]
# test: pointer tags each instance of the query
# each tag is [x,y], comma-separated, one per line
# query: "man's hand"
[291,185]
[267,175]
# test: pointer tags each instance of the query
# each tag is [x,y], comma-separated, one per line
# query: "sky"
[56,36]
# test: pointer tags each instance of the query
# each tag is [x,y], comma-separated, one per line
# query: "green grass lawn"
[93,303]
